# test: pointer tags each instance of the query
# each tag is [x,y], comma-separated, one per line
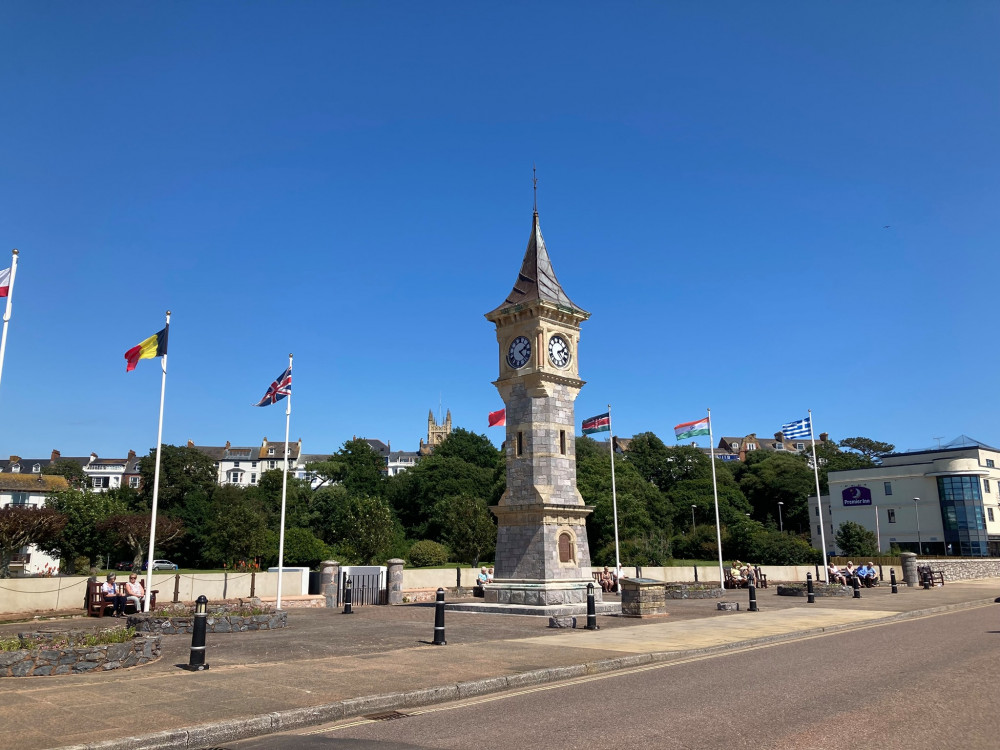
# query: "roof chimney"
[131,455]
[55,455]
[824,436]
[190,443]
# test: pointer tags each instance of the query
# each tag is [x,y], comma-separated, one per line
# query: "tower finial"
[534,186]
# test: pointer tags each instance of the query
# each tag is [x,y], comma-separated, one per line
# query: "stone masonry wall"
[214,623]
[963,569]
[78,659]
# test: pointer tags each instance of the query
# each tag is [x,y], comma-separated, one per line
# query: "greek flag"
[796,430]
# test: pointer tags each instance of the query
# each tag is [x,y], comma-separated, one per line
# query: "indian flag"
[691,429]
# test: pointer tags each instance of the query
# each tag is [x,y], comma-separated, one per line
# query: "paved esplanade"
[326,665]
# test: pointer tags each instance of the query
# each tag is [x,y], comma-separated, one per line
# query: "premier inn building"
[939,502]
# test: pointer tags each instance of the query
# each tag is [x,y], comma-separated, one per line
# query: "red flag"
[498,418]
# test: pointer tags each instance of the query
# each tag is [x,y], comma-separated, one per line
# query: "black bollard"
[591,608]
[857,587]
[811,594]
[197,661]
[348,598]
[892,579]
[927,580]
[439,620]
[753,597]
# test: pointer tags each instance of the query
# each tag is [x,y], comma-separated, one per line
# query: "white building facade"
[939,502]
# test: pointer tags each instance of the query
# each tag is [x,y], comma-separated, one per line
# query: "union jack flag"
[278,389]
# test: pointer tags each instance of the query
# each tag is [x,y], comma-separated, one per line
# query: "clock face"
[519,352]
[558,351]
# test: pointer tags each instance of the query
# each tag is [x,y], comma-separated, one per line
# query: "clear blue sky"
[351,182]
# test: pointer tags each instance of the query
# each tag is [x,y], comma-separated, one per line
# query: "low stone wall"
[692,591]
[215,623]
[963,569]
[77,659]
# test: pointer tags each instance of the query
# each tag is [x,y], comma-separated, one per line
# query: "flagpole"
[284,490]
[819,501]
[715,494]
[156,474]
[6,314]
[614,497]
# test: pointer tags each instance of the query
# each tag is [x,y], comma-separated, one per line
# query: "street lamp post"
[781,523]
[916,510]
[693,506]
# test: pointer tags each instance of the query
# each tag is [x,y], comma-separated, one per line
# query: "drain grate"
[386,716]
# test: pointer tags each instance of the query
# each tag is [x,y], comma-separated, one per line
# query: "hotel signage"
[856,496]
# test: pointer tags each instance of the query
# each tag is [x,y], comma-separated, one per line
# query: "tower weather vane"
[534,187]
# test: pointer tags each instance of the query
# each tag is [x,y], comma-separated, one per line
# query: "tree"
[357,466]
[237,526]
[302,547]
[185,473]
[79,537]
[70,469]
[768,477]
[469,530]
[21,525]
[855,540]
[365,529]
[469,447]
[871,449]
[131,530]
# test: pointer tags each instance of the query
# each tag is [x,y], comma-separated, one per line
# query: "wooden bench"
[96,603]
[936,577]
[732,582]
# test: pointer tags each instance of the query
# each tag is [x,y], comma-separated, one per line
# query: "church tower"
[541,536]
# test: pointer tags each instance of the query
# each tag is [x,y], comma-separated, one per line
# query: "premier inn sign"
[856,496]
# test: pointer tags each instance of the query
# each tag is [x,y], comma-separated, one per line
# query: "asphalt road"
[926,683]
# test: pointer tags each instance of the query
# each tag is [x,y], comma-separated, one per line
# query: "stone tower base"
[533,592]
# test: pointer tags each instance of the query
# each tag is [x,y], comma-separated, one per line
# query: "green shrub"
[426,553]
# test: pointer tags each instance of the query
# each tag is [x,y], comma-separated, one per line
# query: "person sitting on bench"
[111,596]
[482,577]
[134,592]
[835,576]
[607,580]
[867,575]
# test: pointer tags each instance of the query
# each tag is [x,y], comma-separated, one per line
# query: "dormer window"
[778,447]
[15,468]
[36,469]
[270,451]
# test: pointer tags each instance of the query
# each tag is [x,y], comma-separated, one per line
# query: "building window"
[562,443]
[989,513]
[989,463]
[253,479]
[253,464]
[19,498]
[235,477]
[520,443]
[818,530]
[778,446]
[800,446]
[37,468]
[133,482]
[100,483]
[817,510]
[751,446]
[15,468]
[891,513]
[271,464]
[235,464]
[888,488]
[986,485]
[962,514]
[565,548]
[270,451]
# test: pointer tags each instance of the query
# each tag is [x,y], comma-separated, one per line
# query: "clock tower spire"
[542,536]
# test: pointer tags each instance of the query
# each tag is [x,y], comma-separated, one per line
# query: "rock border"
[215,623]
[693,591]
[39,662]
[819,589]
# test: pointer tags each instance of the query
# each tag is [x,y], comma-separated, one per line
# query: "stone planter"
[819,589]
[215,623]
[642,597]
[77,659]
[693,591]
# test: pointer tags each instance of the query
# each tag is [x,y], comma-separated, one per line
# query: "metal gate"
[368,585]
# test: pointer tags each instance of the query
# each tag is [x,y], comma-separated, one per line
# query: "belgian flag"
[154,346]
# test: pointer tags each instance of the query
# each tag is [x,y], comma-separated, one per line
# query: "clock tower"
[542,536]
